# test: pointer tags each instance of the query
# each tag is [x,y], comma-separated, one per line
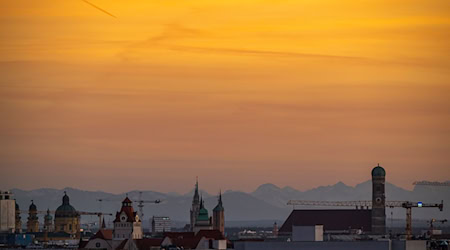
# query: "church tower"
[219,216]
[48,222]
[378,201]
[195,207]
[33,222]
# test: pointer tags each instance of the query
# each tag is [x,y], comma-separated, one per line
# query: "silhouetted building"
[18,219]
[378,200]
[33,221]
[67,219]
[219,216]
[332,220]
[195,207]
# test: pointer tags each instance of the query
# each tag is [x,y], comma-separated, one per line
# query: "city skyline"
[120,95]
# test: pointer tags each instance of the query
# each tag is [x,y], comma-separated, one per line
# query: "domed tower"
[219,216]
[378,200]
[195,206]
[33,221]
[67,219]
[18,219]
[48,222]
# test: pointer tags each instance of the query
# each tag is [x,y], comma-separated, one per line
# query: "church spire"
[195,200]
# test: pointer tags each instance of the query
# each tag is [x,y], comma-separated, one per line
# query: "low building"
[161,224]
[337,220]
[323,245]
[7,212]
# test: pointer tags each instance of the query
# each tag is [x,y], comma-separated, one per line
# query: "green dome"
[378,171]
[48,216]
[202,215]
[66,210]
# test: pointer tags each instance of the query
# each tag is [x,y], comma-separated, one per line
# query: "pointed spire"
[195,200]
[103,224]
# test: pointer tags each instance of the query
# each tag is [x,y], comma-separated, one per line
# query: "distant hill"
[266,203]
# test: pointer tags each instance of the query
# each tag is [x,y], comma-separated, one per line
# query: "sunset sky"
[238,92]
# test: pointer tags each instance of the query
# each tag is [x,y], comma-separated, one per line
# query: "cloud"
[98,8]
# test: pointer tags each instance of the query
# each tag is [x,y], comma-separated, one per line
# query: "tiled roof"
[210,234]
[173,235]
[129,211]
[337,219]
[145,244]
[105,234]
[122,245]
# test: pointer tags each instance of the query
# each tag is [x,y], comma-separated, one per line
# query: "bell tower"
[378,200]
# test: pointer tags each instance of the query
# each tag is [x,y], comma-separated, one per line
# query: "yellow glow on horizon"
[238,85]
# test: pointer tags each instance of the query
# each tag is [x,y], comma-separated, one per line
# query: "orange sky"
[239,92]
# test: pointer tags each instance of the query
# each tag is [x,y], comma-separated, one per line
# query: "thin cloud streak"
[98,8]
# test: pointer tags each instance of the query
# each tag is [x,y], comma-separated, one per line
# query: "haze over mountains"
[266,203]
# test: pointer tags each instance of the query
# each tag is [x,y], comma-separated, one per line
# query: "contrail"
[98,8]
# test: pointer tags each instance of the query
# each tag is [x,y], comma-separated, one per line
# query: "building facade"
[127,224]
[219,216]
[33,221]
[378,200]
[7,212]
[161,224]
[67,219]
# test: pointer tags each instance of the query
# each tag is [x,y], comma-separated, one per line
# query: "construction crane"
[408,205]
[432,183]
[141,204]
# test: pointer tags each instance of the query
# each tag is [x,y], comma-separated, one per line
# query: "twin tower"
[378,200]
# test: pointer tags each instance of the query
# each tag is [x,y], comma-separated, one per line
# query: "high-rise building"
[378,200]
[33,221]
[195,207]
[219,216]
[127,224]
[161,224]
[7,212]
[67,219]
